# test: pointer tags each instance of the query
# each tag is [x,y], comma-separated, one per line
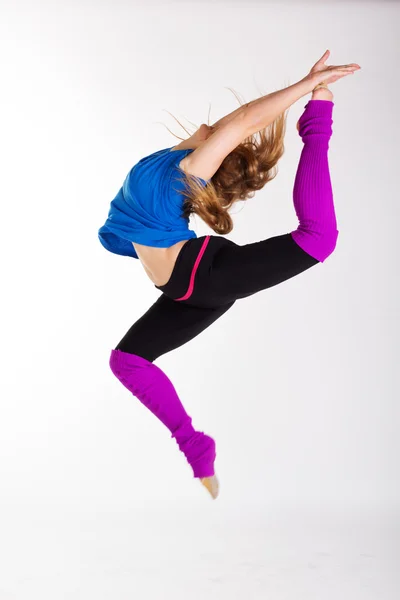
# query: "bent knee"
[317,244]
[327,244]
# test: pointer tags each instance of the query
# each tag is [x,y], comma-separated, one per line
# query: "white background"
[298,384]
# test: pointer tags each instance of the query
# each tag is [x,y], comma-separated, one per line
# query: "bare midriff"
[158,262]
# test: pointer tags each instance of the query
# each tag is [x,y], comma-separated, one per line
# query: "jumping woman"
[202,277]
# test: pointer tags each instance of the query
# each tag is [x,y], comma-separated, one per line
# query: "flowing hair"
[246,169]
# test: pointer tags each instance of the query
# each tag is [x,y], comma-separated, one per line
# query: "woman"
[202,277]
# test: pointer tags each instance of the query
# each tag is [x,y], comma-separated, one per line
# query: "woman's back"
[147,211]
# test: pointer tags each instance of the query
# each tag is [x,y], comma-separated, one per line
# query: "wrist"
[309,82]
[312,81]
[306,85]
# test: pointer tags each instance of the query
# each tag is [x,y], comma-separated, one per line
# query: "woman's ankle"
[322,94]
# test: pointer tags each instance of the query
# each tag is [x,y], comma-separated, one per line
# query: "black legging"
[210,274]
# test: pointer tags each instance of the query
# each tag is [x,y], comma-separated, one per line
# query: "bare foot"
[211,484]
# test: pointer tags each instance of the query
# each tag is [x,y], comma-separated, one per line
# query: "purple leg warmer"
[155,390]
[312,193]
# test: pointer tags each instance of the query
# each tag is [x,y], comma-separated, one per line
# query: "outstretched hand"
[321,73]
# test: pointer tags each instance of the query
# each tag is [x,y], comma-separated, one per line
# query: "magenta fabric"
[312,193]
[154,389]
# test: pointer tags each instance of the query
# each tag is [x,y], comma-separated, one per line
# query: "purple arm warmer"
[312,192]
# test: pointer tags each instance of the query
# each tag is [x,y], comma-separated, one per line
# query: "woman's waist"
[158,262]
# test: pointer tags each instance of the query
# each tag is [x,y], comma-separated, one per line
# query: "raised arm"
[262,112]
[235,127]
[262,109]
[253,117]
[228,117]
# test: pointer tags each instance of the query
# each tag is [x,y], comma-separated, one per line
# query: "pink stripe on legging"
[195,266]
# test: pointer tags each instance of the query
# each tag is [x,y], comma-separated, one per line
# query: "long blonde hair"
[248,168]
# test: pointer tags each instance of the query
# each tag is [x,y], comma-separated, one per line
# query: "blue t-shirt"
[148,207]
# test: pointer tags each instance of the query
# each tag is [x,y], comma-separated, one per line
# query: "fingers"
[323,58]
[352,67]
[339,73]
